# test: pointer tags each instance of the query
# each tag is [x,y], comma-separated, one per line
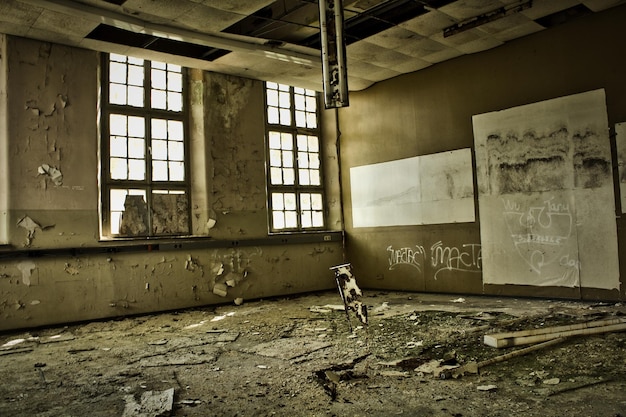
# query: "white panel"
[430,189]
[620,143]
[547,212]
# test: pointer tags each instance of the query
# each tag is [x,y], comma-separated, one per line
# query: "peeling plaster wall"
[431,111]
[4,154]
[53,111]
[53,115]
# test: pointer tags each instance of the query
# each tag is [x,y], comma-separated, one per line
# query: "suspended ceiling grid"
[279,40]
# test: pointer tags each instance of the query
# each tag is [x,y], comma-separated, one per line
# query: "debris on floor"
[418,354]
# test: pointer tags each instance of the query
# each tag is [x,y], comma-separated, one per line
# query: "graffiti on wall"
[466,257]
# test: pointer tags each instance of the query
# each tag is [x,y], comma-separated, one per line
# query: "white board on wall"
[429,189]
[545,194]
[620,144]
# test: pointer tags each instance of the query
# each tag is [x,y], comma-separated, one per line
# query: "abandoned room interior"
[316,208]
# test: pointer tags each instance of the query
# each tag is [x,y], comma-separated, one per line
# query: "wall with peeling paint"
[431,111]
[4,154]
[56,268]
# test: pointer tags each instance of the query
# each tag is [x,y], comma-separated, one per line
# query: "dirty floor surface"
[298,357]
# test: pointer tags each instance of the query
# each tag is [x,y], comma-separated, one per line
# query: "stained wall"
[430,112]
[55,268]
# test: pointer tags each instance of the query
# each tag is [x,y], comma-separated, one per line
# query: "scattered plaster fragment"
[26,268]
[51,172]
[31,226]
[220,289]
[35,302]
[72,270]
[152,403]
[238,301]
[210,224]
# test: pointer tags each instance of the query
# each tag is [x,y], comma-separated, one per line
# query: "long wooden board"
[523,337]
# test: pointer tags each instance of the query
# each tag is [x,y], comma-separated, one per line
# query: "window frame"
[297,188]
[148,185]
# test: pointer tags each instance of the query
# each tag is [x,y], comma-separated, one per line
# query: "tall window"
[296,194]
[145,180]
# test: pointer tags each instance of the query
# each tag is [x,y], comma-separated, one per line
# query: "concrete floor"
[297,356]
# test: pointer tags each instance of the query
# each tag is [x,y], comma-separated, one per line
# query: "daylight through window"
[145,188]
[296,192]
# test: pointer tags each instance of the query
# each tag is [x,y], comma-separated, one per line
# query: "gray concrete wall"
[431,111]
[57,269]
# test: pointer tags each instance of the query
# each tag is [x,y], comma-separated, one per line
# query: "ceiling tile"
[410,65]
[394,38]
[243,7]
[443,55]
[421,48]
[428,24]
[63,24]
[479,45]
[205,18]
[158,10]
[541,8]
[465,9]
[505,23]
[12,11]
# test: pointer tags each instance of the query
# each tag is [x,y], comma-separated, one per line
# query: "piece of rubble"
[488,388]
[151,404]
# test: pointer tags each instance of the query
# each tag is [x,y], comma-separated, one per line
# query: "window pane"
[272,115]
[276,176]
[285,117]
[117,73]
[313,144]
[136,126]
[316,201]
[291,220]
[136,170]
[117,125]
[177,171]
[135,75]
[135,96]
[117,198]
[305,218]
[290,201]
[174,101]
[314,160]
[303,160]
[289,177]
[159,99]
[275,158]
[278,218]
[159,79]
[286,141]
[304,177]
[318,219]
[159,65]
[300,119]
[300,103]
[287,159]
[136,148]
[305,201]
[314,177]
[159,171]
[117,94]
[283,100]
[119,169]
[311,120]
[159,129]
[159,149]
[175,81]
[175,130]
[118,146]
[277,201]
[274,140]
[176,151]
[272,98]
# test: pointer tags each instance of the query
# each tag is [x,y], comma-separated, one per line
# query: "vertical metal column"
[334,69]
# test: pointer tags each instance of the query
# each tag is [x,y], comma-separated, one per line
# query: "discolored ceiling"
[279,40]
